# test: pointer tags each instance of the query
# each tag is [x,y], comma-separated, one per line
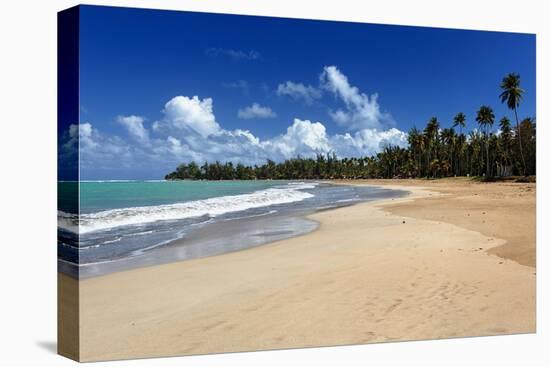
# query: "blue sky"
[272,87]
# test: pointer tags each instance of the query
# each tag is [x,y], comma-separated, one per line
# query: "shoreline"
[229,235]
[367,274]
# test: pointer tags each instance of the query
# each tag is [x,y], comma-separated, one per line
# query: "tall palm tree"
[460,121]
[529,139]
[485,118]
[432,128]
[416,144]
[448,137]
[506,139]
[512,94]
[474,151]
[431,133]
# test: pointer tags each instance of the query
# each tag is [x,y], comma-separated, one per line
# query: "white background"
[28,181]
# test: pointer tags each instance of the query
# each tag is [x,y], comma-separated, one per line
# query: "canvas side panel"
[68,340]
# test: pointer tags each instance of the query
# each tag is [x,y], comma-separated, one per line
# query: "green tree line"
[433,152]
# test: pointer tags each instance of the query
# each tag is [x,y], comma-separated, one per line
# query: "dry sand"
[505,210]
[403,269]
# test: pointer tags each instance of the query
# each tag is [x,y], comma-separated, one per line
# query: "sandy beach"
[454,258]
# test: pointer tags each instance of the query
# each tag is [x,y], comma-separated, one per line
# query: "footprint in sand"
[397,303]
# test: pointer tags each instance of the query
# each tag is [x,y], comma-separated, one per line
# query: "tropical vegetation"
[433,152]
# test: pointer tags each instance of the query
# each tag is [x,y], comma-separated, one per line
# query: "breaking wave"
[212,207]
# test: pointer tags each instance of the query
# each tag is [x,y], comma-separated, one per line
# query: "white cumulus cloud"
[189,115]
[189,131]
[303,138]
[134,125]
[362,111]
[256,111]
[367,142]
[98,150]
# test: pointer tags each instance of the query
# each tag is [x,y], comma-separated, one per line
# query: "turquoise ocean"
[125,224]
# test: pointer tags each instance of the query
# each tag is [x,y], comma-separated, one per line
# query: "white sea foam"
[300,185]
[67,221]
[345,200]
[212,207]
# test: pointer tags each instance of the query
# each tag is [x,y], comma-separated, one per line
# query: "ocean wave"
[109,219]
[67,221]
[301,185]
[346,200]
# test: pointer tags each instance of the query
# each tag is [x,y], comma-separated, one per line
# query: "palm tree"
[431,133]
[485,118]
[445,167]
[460,121]
[506,139]
[529,139]
[416,144]
[432,128]
[448,137]
[512,94]
[474,151]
